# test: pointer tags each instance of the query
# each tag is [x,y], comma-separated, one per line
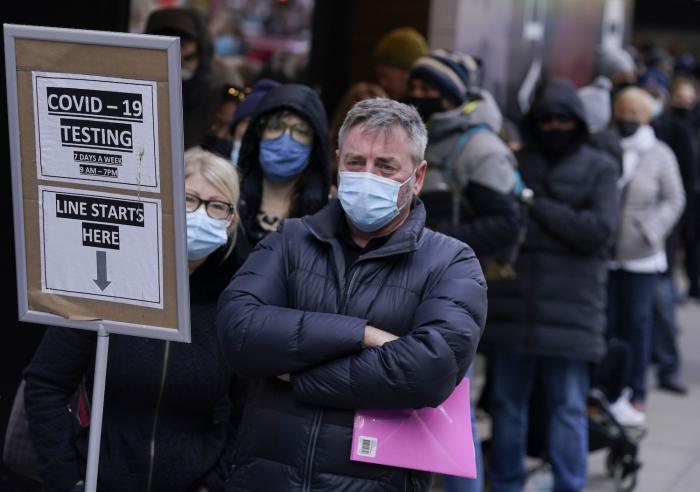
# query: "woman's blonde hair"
[222,176]
[639,97]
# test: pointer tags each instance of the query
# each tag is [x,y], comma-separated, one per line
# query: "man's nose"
[371,168]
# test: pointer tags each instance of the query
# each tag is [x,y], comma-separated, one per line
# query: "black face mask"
[426,106]
[219,146]
[682,112]
[556,143]
[627,128]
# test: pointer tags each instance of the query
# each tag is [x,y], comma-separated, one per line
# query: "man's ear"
[420,177]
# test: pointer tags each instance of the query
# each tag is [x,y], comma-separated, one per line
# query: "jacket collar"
[326,224]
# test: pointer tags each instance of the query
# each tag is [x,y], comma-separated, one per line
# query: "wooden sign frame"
[30,50]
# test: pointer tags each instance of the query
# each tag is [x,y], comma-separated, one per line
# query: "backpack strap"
[449,161]
[457,150]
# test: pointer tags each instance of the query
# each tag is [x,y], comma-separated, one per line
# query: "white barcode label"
[367,446]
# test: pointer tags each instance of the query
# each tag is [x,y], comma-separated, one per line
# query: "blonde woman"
[168,411]
[652,201]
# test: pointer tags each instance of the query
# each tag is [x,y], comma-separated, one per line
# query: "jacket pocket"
[648,233]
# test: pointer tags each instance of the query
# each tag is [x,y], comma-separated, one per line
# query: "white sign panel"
[101,246]
[98,130]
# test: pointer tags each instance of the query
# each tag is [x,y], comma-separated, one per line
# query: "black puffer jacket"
[292,309]
[311,192]
[188,416]
[555,306]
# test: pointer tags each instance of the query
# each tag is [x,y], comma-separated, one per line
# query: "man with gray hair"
[356,307]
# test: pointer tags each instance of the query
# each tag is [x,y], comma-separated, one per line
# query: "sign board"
[80,228]
[105,126]
[97,176]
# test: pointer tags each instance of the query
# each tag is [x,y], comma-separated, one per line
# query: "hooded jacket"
[311,193]
[555,305]
[177,397]
[293,309]
[199,96]
[478,175]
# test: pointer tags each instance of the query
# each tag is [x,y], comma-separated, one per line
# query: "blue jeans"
[461,484]
[665,332]
[565,387]
[631,319]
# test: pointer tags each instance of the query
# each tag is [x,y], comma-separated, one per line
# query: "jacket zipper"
[346,291]
[318,415]
[152,448]
[311,450]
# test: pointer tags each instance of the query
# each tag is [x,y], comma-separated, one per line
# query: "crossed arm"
[341,361]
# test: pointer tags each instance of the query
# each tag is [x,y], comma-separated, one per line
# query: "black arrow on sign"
[101,280]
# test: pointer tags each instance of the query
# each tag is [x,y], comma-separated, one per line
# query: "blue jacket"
[292,309]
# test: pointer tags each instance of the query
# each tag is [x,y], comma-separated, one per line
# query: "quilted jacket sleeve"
[495,223]
[261,336]
[584,230]
[419,369]
[671,200]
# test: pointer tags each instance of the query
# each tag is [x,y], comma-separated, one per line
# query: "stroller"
[604,432]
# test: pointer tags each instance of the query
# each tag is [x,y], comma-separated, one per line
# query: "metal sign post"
[98,399]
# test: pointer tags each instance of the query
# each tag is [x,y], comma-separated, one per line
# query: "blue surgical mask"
[204,234]
[226,45]
[283,158]
[370,201]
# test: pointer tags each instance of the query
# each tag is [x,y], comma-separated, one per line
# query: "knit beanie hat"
[612,61]
[183,22]
[247,107]
[596,103]
[450,72]
[400,48]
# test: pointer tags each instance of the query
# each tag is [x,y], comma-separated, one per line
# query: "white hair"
[639,98]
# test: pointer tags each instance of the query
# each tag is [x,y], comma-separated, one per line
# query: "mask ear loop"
[413,175]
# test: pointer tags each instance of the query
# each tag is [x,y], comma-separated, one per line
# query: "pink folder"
[430,439]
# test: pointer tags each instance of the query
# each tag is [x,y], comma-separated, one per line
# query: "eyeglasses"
[549,118]
[274,127]
[215,209]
